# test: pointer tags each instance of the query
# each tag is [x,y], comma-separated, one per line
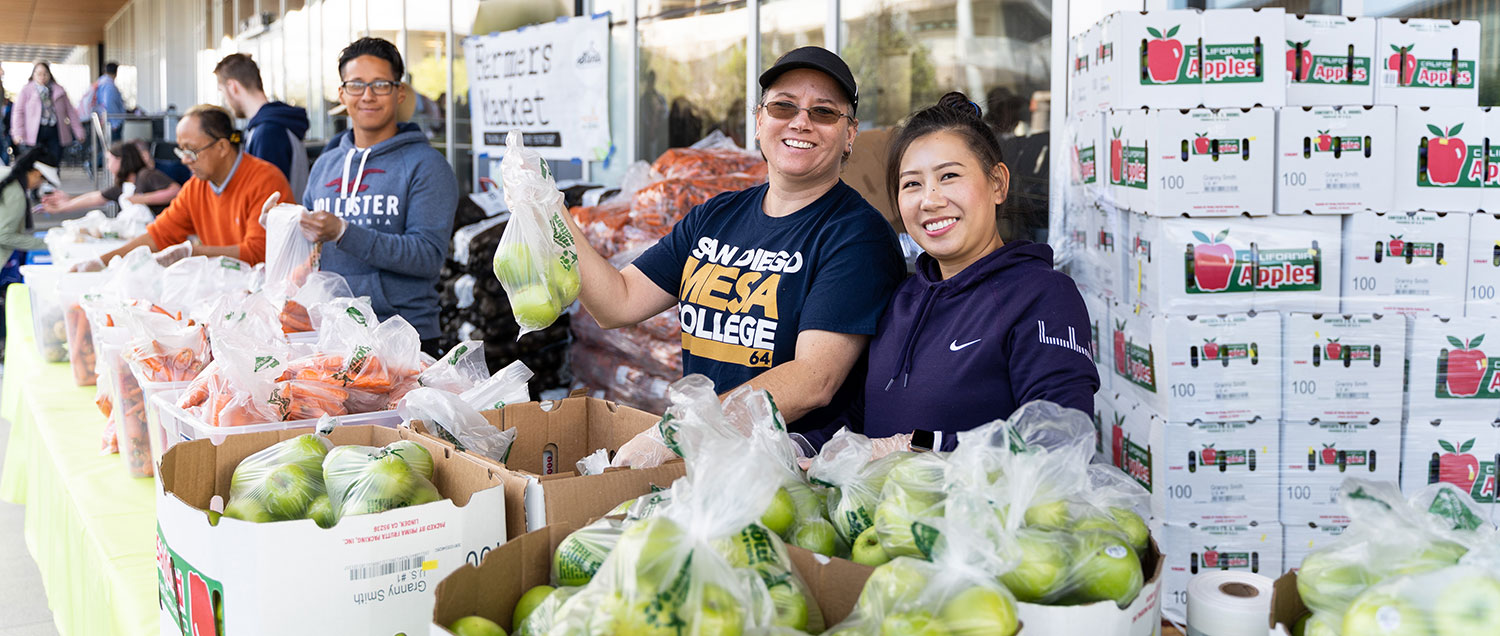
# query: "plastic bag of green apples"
[305,477]
[1427,566]
[537,260]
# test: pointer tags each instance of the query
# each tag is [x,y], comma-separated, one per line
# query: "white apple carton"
[370,574]
[1464,453]
[1085,133]
[1151,60]
[1245,547]
[1099,346]
[1483,275]
[1080,73]
[1212,265]
[1241,57]
[1104,72]
[1107,249]
[1123,143]
[1215,472]
[1490,194]
[1302,539]
[1206,367]
[1105,618]
[1343,367]
[1427,62]
[1204,162]
[1330,60]
[1409,263]
[1317,456]
[1128,433]
[1440,159]
[1451,377]
[1335,159]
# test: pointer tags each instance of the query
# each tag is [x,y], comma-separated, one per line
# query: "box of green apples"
[275,566]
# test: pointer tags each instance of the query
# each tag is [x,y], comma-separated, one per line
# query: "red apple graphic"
[1458,467]
[1333,349]
[1330,455]
[1209,454]
[1120,361]
[1466,366]
[1301,74]
[1402,60]
[1445,155]
[1117,444]
[202,611]
[1213,262]
[1325,142]
[1210,556]
[1163,56]
[1116,156]
[1210,349]
[1395,245]
[1200,143]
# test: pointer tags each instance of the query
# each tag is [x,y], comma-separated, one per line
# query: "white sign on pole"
[549,81]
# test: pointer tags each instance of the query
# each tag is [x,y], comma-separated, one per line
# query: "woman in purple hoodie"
[984,325]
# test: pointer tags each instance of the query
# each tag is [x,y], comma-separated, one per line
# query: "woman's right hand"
[54,201]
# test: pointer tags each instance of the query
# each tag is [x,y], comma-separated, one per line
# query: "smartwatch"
[923,440]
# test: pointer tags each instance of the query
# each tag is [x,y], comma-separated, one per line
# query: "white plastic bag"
[536,261]
[454,420]
[290,257]
[506,386]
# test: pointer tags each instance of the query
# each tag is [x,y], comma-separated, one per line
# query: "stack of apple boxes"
[1264,248]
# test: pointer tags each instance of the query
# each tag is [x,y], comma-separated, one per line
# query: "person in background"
[128,162]
[382,199]
[108,101]
[221,204]
[16,183]
[275,129]
[948,178]
[43,114]
[4,122]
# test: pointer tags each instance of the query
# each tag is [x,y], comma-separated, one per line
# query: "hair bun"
[959,102]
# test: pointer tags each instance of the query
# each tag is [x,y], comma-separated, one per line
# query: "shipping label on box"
[1281,263]
[1483,279]
[1440,159]
[1427,62]
[1464,453]
[1154,59]
[1410,263]
[1452,376]
[1306,538]
[1241,57]
[1204,162]
[1208,367]
[1215,472]
[1254,548]
[1335,159]
[1329,60]
[1318,456]
[1343,367]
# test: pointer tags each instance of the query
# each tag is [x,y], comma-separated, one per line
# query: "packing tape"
[1225,603]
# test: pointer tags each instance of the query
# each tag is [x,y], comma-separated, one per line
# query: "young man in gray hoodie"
[383,200]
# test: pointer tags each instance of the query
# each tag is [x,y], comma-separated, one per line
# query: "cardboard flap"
[1286,603]
[835,583]
[492,589]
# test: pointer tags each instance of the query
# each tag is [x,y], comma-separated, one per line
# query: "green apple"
[564,280]
[1134,527]
[806,501]
[1378,612]
[867,550]
[646,618]
[980,611]
[919,477]
[1107,569]
[513,265]
[386,483]
[534,307]
[817,535]
[781,514]
[791,606]
[529,602]
[1043,570]
[1433,556]
[1053,514]
[1328,581]
[894,519]
[288,490]
[898,581]
[1096,523]
[718,614]
[321,512]
[915,623]
[476,626]
[1469,604]
[246,509]
[415,454]
[1314,625]
[581,553]
[852,511]
[306,450]
[655,548]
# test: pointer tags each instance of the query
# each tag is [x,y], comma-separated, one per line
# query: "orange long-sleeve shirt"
[222,220]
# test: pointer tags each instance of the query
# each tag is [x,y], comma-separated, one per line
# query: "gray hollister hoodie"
[398,197]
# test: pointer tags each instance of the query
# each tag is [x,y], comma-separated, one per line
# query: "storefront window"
[692,73]
[786,25]
[335,38]
[1486,12]
[1324,7]
[427,64]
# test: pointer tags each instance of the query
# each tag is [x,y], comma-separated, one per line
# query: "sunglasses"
[381,87]
[817,114]
[190,156]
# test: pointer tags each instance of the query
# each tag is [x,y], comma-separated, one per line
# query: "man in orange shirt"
[221,205]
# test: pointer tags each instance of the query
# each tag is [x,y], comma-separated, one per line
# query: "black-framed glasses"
[188,155]
[818,114]
[381,87]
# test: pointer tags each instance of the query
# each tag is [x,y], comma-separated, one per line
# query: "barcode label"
[1228,188]
[1388,78]
[1342,186]
[1412,292]
[385,568]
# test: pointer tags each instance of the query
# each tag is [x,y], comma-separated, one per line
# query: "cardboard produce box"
[1417,62]
[1335,159]
[1317,456]
[1463,453]
[1081,72]
[492,588]
[1286,605]
[1084,131]
[1490,194]
[1141,618]
[1451,376]
[1343,367]
[1098,308]
[370,574]
[1329,60]
[1128,434]
[1303,539]
[1440,159]
[1126,133]
[1248,547]
[1151,60]
[1241,57]
[543,484]
[1206,367]
[1408,263]
[1483,275]
[1215,473]
[1203,162]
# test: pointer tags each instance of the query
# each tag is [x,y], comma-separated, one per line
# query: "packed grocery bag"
[537,261]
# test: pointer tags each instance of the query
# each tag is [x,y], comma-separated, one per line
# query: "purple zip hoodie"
[950,355]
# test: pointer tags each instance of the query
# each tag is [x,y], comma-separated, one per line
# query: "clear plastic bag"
[536,261]
[583,551]
[368,480]
[844,465]
[459,370]
[455,421]
[290,256]
[543,618]
[506,386]
[318,288]
[281,482]
[1461,600]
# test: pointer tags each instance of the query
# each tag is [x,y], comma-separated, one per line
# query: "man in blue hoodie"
[383,200]
[275,129]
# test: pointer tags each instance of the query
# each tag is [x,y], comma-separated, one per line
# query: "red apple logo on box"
[1299,73]
[1404,62]
[1213,261]
[1163,56]
[1457,466]
[1466,365]
[1445,155]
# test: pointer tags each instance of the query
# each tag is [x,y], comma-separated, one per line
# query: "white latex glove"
[645,450]
[880,447]
[91,265]
[271,202]
[174,253]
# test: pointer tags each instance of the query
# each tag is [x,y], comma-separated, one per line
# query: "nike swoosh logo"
[955,346]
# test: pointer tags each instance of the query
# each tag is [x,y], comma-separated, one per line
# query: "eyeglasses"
[188,155]
[381,87]
[818,114]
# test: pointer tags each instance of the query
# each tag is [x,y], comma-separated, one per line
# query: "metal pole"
[633,76]
[752,68]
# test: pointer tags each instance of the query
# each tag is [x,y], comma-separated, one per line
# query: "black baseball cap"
[818,59]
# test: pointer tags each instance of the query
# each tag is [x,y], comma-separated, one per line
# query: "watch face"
[921,440]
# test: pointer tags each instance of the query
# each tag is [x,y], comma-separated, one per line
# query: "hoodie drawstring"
[346,188]
[903,367]
[344,183]
[358,179]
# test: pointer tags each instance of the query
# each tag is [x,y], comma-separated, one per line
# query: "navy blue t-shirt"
[748,283]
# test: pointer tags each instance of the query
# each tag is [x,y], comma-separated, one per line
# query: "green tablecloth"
[90,526]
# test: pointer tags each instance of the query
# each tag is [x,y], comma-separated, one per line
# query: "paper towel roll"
[1224,603]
